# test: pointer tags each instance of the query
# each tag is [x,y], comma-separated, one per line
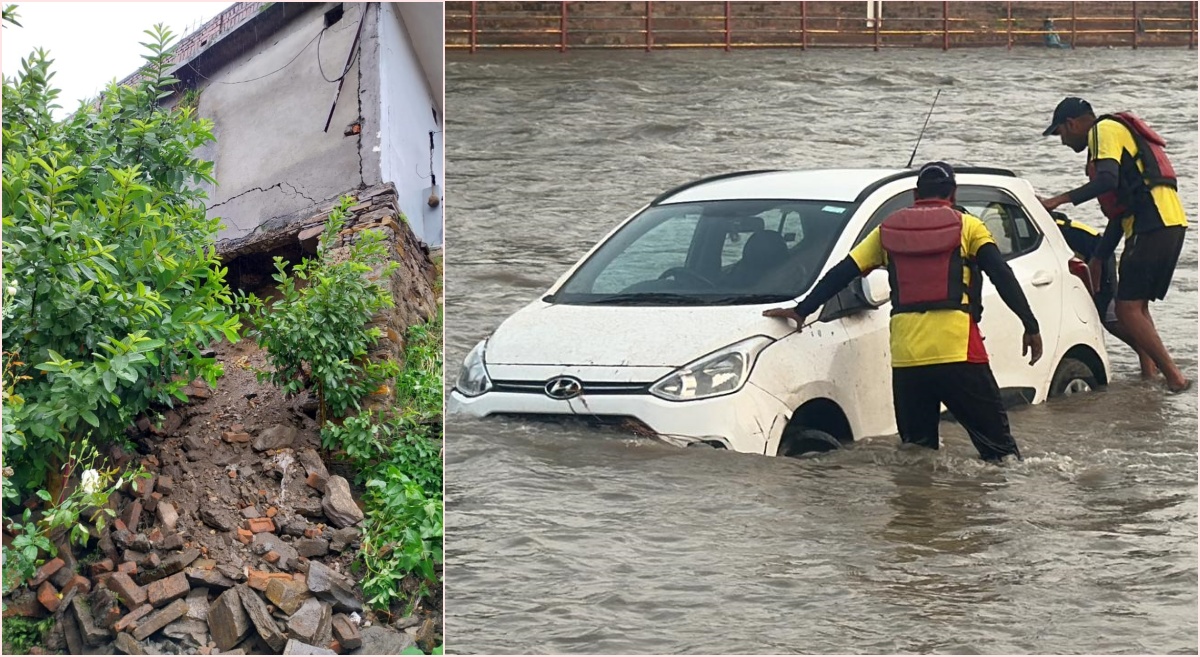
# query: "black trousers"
[968,390]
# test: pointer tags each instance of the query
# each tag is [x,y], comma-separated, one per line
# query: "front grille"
[626,423]
[589,387]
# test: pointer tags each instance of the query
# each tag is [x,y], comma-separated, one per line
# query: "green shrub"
[316,331]
[419,386]
[21,634]
[116,285]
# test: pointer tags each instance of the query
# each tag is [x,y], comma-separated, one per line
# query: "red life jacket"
[1133,189]
[925,259]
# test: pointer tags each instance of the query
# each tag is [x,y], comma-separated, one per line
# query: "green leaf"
[89,417]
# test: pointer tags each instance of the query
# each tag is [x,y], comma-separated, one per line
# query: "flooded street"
[566,539]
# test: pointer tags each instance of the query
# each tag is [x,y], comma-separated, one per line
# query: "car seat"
[765,251]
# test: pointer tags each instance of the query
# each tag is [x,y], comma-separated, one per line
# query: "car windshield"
[711,253]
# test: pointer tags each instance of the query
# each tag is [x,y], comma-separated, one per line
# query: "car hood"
[629,336]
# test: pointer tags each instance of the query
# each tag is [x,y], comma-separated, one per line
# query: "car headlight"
[720,373]
[473,378]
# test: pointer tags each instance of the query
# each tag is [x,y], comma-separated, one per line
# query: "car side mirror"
[876,288]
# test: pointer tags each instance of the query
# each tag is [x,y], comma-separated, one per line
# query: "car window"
[1013,230]
[1008,222]
[897,202]
[711,252]
[662,247]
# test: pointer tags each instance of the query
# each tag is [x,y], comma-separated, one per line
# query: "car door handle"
[1042,278]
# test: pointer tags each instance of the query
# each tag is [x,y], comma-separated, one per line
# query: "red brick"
[128,567]
[271,557]
[167,589]
[259,525]
[335,646]
[133,515]
[232,474]
[102,566]
[245,536]
[310,532]
[316,481]
[125,588]
[78,582]
[119,525]
[155,536]
[235,437]
[142,486]
[165,485]
[46,571]
[257,579]
[48,596]
[272,511]
[153,560]
[128,621]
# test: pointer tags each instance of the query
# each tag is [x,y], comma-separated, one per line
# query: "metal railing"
[563,26]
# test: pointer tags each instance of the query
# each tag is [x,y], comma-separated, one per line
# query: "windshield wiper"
[749,299]
[644,299]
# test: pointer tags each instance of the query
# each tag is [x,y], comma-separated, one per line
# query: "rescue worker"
[1130,175]
[1083,240]
[934,253]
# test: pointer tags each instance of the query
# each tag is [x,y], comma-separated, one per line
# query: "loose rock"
[333,587]
[379,640]
[186,629]
[295,647]
[159,619]
[312,547]
[287,594]
[346,632]
[256,609]
[211,578]
[168,589]
[167,515]
[307,622]
[227,620]
[277,437]
[218,519]
[129,645]
[171,565]
[264,543]
[338,504]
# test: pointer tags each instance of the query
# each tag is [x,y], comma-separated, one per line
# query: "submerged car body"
[661,322]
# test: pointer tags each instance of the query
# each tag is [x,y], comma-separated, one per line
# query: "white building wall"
[408,106]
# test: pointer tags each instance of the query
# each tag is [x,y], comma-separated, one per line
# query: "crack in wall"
[278,185]
[362,183]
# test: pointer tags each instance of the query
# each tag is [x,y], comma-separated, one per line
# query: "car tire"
[1072,377]
[806,442]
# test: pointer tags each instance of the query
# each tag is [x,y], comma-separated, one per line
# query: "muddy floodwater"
[562,538]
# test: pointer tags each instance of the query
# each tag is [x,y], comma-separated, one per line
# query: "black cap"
[933,172]
[1070,108]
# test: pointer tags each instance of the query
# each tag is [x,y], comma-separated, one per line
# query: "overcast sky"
[93,42]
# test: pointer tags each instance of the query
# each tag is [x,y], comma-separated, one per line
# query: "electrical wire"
[321,68]
[290,61]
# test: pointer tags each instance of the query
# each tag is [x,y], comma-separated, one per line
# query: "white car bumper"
[746,421]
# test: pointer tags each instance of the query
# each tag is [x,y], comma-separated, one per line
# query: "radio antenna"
[922,133]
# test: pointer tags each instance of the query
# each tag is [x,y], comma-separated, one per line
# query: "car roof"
[836,185]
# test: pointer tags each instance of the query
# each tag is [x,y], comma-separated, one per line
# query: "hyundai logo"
[564,387]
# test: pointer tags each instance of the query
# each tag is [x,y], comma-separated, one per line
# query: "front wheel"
[807,441]
[1072,377]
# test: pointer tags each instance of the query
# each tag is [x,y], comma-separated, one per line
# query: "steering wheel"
[675,272]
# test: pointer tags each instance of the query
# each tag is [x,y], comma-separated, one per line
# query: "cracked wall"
[272,160]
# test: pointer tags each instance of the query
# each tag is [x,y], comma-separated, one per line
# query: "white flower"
[11,290]
[91,482]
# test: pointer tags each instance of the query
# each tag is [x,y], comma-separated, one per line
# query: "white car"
[661,322]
